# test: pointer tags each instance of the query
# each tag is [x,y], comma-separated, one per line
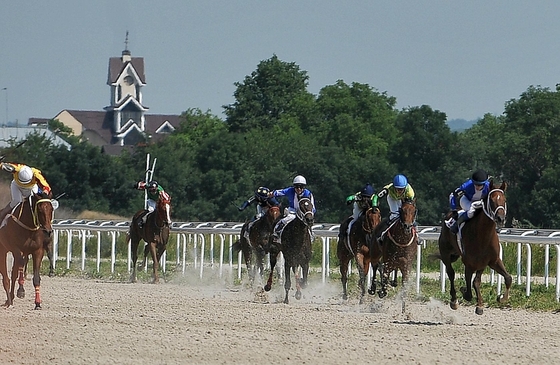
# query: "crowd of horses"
[27,231]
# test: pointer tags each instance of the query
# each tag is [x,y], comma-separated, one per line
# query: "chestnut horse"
[155,233]
[397,250]
[254,248]
[25,231]
[357,248]
[480,247]
[296,247]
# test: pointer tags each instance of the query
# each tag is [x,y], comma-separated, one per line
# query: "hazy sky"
[464,58]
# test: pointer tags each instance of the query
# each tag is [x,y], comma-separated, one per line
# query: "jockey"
[293,193]
[396,192]
[263,202]
[361,202]
[467,198]
[155,192]
[26,180]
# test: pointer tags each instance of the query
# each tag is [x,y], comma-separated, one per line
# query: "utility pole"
[6,89]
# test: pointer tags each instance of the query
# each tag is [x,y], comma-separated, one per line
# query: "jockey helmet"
[479,177]
[299,180]
[400,181]
[152,185]
[25,175]
[368,190]
[262,192]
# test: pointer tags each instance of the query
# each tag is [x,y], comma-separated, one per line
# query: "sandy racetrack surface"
[184,322]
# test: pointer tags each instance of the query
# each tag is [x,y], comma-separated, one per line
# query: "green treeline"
[345,136]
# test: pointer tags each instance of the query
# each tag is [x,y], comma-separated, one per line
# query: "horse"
[25,231]
[397,250]
[155,233]
[254,248]
[296,247]
[357,247]
[480,247]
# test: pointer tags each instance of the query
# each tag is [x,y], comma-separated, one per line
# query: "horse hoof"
[501,298]
[344,297]
[454,305]
[371,291]
[267,287]
[393,283]
[382,293]
[38,306]
[478,311]
[298,295]
[21,293]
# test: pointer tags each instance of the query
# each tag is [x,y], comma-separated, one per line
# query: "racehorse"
[397,250]
[254,248]
[296,246]
[357,248]
[25,231]
[480,247]
[155,233]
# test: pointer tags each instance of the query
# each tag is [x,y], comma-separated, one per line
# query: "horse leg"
[134,241]
[453,303]
[344,261]
[287,282]
[373,288]
[382,293]
[155,275]
[476,285]
[298,282]
[467,291]
[499,267]
[37,258]
[20,264]
[273,255]
[362,273]
[5,279]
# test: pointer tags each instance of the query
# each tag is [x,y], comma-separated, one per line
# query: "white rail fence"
[192,239]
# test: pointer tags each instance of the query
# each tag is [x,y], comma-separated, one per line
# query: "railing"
[225,233]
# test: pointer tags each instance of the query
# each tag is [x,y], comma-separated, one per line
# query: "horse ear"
[504,186]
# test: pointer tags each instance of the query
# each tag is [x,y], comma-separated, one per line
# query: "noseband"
[303,214]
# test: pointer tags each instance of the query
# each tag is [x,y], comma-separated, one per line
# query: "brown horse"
[480,247]
[357,248]
[397,250]
[25,232]
[254,248]
[296,247]
[155,233]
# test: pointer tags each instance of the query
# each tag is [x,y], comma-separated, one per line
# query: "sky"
[463,58]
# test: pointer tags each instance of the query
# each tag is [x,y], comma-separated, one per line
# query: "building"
[125,122]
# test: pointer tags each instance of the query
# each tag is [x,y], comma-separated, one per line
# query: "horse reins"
[34,215]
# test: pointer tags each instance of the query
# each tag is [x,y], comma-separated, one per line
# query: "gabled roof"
[116,66]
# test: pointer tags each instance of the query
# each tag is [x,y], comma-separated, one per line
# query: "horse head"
[43,212]
[305,211]
[407,214]
[163,209]
[495,206]
[272,214]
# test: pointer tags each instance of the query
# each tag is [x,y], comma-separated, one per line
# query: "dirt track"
[185,322]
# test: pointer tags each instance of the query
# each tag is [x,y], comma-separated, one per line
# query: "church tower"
[126,79]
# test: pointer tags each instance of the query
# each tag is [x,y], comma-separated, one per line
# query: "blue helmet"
[368,190]
[400,181]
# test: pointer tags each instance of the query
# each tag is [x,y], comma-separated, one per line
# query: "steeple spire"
[126,52]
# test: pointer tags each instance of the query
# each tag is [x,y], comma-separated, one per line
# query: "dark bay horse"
[296,247]
[254,248]
[480,247]
[25,231]
[155,233]
[398,249]
[357,248]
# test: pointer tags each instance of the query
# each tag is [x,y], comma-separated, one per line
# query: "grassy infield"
[541,298]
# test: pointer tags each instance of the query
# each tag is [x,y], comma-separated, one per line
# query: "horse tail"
[434,256]
[236,247]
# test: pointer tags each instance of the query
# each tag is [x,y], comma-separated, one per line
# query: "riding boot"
[463,217]
[142,219]
[380,229]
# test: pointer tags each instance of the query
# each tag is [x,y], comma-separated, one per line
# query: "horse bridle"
[301,214]
[34,214]
[486,206]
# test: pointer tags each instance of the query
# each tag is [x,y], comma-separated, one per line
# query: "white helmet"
[25,175]
[300,180]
